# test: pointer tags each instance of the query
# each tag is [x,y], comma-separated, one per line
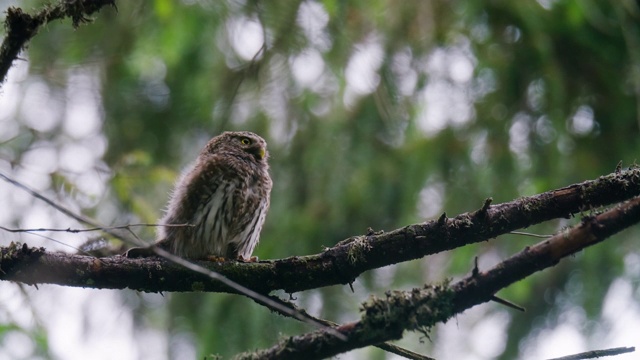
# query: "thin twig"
[75,231]
[530,234]
[259,298]
[386,346]
[597,353]
[134,239]
[56,241]
[69,213]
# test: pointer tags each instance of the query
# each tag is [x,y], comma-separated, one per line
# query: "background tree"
[378,114]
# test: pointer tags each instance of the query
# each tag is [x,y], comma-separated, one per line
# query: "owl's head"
[241,143]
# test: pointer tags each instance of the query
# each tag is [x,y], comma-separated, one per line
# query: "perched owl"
[223,198]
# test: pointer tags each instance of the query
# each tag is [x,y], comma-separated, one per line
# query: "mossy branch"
[340,264]
[420,309]
[21,27]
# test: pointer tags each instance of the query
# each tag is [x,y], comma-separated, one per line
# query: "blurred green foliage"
[377,114]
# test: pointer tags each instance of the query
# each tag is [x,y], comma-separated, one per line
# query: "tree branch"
[593,354]
[386,346]
[21,27]
[420,309]
[340,264]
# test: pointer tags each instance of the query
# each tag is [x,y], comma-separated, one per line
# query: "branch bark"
[20,27]
[420,309]
[341,264]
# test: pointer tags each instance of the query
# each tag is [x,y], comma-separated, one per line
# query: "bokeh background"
[377,114]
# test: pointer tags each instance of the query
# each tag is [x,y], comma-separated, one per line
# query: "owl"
[218,206]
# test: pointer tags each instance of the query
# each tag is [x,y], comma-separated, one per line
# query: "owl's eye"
[245,141]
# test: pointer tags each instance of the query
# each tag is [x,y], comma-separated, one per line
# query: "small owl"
[223,198]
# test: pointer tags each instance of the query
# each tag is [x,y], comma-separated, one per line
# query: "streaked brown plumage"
[224,197]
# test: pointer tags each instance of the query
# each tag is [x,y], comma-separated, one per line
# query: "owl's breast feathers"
[249,185]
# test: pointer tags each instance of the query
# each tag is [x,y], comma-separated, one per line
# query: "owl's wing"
[203,199]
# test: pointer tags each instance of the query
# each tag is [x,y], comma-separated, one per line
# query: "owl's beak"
[262,153]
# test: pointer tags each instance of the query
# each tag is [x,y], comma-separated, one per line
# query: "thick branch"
[21,27]
[420,309]
[340,264]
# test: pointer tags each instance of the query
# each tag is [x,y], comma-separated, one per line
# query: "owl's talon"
[214,258]
[139,252]
[249,260]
